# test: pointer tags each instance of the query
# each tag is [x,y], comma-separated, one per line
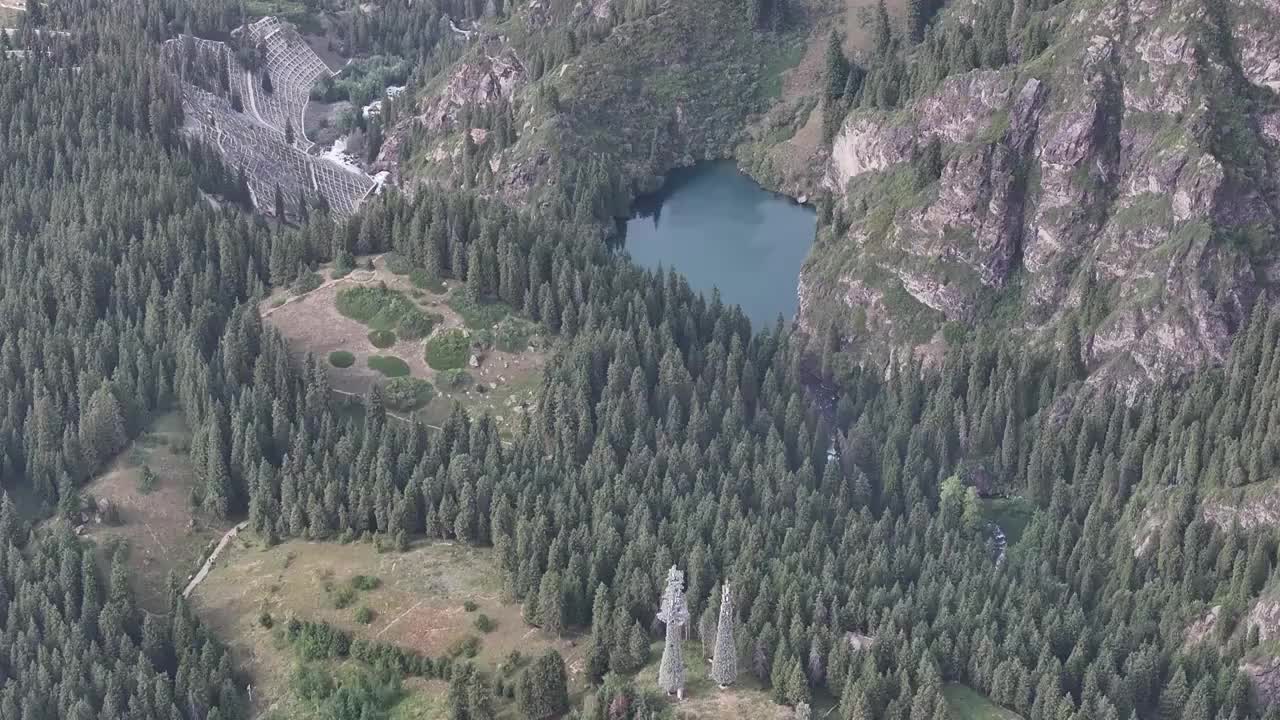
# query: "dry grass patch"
[156,523]
[418,604]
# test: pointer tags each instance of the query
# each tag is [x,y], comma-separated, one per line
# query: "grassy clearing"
[478,314]
[1011,514]
[418,604]
[969,704]
[448,350]
[407,394]
[156,523]
[703,700]
[341,359]
[389,365]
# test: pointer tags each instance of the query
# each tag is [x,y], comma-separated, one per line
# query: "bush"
[453,379]
[312,683]
[147,482]
[478,313]
[341,359]
[306,283]
[344,597]
[485,624]
[365,582]
[448,350]
[265,620]
[389,365]
[426,281]
[382,339]
[364,615]
[417,325]
[466,646]
[379,307]
[470,606]
[397,264]
[512,335]
[407,394]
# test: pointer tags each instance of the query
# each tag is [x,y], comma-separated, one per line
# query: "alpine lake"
[723,231]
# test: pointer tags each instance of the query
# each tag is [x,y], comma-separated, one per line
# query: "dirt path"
[208,564]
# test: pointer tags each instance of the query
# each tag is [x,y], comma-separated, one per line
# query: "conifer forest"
[695,507]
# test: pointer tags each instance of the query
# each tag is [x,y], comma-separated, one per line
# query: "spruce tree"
[724,666]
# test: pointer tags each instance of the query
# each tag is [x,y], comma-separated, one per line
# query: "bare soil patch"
[505,384]
[161,533]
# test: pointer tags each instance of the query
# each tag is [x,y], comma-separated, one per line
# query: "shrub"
[364,615]
[312,683]
[407,394]
[365,582]
[426,281]
[341,359]
[512,335]
[379,307]
[470,606]
[485,624]
[344,597]
[382,339]
[397,264]
[478,313]
[416,325]
[453,379]
[389,365]
[306,283]
[448,350]
[265,620]
[147,482]
[466,646]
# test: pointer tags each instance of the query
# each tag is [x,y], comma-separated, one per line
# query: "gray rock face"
[1102,183]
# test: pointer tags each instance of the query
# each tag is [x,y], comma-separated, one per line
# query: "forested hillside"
[671,432]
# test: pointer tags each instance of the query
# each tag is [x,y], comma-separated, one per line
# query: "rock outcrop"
[1123,182]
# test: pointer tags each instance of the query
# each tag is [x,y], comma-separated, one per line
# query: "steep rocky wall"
[1125,180]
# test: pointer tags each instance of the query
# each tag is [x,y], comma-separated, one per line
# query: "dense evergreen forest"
[670,432]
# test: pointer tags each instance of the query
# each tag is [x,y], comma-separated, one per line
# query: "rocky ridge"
[1123,182]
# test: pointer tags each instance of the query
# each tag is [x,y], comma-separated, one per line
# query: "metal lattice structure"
[253,140]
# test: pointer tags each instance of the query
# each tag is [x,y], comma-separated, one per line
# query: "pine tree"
[837,68]
[724,665]
[102,431]
[917,18]
[544,691]
[882,34]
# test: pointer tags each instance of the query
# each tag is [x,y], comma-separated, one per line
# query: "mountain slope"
[1121,184]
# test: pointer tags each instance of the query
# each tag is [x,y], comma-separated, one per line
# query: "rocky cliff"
[1121,184]
[618,90]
